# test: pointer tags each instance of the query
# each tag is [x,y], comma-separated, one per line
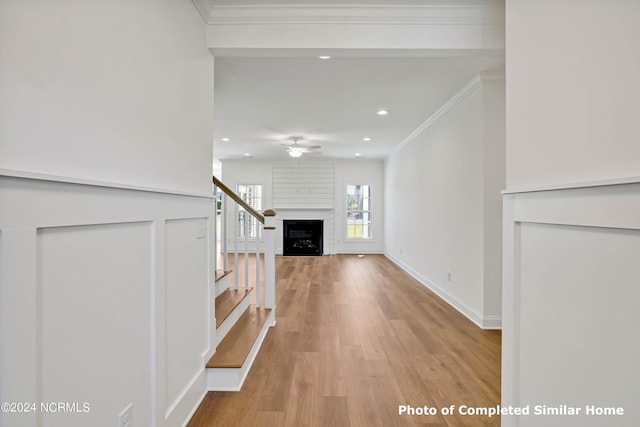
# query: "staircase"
[242,313]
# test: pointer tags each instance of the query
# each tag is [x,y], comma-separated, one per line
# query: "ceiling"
[262,102]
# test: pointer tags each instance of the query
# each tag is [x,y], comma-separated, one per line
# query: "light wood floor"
[355,338]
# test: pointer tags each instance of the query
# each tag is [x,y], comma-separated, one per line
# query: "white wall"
[571,249]
[104,285]
[575,121]
[440,189]
[255,171]
[112,91]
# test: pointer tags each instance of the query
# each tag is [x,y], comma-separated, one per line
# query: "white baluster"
[236,231]
[258,287]
[246,249]
[223,228]
[215,231]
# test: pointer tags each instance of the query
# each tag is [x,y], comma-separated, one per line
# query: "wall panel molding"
[600,227]
[93,183]
[95,232]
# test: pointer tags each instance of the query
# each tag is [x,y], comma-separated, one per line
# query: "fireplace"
[302,237]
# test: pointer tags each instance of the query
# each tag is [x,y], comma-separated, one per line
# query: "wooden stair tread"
[220,274]
[227,301]
[236,345]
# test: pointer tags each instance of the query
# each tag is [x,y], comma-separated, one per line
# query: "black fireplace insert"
[302,237]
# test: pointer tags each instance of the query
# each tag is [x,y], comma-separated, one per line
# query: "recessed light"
[358,155]
[247,154]
[382,112]
[324,57]
[366,138]
[225,139]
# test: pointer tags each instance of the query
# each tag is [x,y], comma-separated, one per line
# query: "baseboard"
[487,322]
[195,407]
[185,406]
[358,252]
[492,322]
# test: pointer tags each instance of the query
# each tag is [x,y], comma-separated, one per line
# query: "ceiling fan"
[296,149]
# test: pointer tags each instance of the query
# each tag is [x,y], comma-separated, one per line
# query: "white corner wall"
[440,190]
[105,179]
[116,92]
[494,182]
[571,238]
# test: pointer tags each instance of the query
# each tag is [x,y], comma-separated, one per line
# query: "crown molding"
[492,78]
[350,14]
[456,99]
[477,82]
[205,7]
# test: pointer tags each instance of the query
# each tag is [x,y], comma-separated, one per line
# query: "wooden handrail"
[229,192]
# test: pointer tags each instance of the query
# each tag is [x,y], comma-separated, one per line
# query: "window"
[358,211]
[252,194]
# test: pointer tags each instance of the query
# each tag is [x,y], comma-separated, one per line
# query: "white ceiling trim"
[344,14]
[456,99]
[205,8]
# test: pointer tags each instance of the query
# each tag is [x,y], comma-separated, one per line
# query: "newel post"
[269,233]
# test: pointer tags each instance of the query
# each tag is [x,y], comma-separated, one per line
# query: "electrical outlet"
[126,416]
[449,276]
[201,229]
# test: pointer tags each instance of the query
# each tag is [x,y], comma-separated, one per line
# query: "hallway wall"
[442,193]
[105,190]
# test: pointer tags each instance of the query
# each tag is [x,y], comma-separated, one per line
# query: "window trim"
[370,237]
[239,229]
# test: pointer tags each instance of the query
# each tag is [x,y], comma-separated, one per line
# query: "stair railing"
[264,249]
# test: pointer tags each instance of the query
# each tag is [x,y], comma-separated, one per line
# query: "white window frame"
[256,203]
[365,210]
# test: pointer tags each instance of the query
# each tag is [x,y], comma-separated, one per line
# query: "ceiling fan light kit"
[296,150]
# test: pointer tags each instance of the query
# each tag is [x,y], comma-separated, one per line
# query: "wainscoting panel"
[93,288]
[187,307]
[578,305]
[103,301]
[570,298]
